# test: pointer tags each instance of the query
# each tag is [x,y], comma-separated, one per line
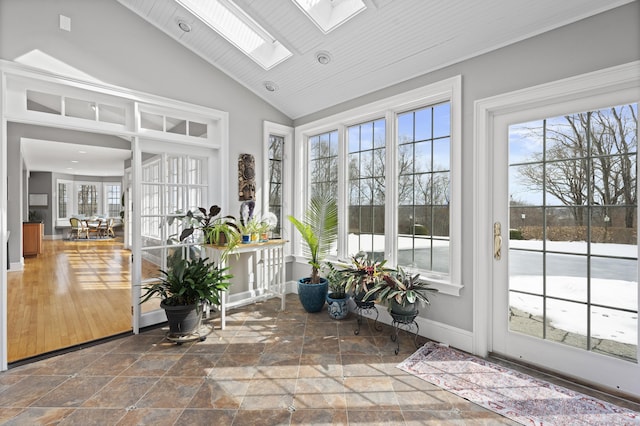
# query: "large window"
[278,143]
[396,177]
[75,198]
[424,163]
[366,159]
[114,201]
[276,149]
[573,256]
[87,197]
[63,200]
[323,160]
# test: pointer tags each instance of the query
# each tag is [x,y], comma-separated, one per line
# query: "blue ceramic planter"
[338,308]
[312,296]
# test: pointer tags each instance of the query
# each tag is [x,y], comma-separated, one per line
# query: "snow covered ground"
[613,284]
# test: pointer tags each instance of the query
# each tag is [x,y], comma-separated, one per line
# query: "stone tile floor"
[266,368]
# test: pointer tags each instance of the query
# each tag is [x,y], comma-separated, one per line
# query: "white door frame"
[12,108]
[623,80]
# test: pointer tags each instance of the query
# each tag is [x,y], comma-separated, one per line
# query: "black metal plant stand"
[406,322]
[368,308]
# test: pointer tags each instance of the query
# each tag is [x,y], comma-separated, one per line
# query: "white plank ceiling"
[390,42]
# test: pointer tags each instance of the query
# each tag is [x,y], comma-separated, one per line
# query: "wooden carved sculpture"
[246,177]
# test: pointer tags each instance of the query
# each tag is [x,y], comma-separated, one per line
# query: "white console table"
[268,266]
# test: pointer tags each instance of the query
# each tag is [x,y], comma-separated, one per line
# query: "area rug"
[517,396]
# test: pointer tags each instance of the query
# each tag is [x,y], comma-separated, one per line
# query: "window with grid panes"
[114,204]
[366,189]
[424,167]
[87,200]
[276,147]
[323,159]
[63,200]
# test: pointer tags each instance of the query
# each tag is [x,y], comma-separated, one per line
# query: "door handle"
[497,241]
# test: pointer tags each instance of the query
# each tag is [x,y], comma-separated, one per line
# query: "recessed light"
[184,26]
[323,57]
[270,86]
[82,152]
[74,161]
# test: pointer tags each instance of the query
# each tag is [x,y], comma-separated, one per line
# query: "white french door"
[170,181]
[565,264]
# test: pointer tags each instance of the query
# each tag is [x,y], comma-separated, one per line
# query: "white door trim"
[623,78]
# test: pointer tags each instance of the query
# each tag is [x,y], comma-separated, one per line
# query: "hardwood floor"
[72,293]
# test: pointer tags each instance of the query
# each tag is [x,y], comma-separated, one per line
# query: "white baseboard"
[16,266]
[434,330]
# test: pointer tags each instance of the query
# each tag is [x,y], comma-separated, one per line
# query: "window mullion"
[343,184]
[391,189]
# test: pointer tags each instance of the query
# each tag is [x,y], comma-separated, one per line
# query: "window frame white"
[591,90]
[270,128]
[449,90]
[72,198]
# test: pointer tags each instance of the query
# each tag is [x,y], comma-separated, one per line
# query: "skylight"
[232,23]
[330,14]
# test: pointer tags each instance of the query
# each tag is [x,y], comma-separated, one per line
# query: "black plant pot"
[312,296]
[407,309]
[183,319]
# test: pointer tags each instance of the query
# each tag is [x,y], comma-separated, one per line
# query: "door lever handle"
[497,241]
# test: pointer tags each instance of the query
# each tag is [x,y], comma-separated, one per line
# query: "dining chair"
[109,228]
[106,228]
[78,228]
[94,227]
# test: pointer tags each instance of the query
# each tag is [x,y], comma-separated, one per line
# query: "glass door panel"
[573,253]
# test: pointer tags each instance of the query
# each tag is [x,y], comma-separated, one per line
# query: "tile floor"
[266,368]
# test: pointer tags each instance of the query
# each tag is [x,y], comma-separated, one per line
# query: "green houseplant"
[319,231]
[250,230]
[216,229]
[183,288]
[365,274]
[337,297]
[402,292]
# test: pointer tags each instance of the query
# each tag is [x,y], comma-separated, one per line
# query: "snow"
[615,286]
[606,323]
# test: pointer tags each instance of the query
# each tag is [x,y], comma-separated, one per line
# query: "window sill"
[444,287]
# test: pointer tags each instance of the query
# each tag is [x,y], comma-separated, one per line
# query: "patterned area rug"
[517,396]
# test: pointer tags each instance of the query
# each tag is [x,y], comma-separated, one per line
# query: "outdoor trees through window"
[573,223]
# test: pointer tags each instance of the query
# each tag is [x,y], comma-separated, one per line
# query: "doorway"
[77,290]
[563,292]
[105,110]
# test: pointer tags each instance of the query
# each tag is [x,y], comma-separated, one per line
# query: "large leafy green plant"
[189,282]
[319,231]
[402,287]
[364,274]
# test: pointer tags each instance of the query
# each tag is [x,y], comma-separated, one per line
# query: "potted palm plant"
[319,231]
[183,288]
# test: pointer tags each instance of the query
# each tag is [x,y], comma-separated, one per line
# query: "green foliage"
[336,280]
[220,230]
[188,282]
[515,234]
[319,230]
[364,274]
[403,287]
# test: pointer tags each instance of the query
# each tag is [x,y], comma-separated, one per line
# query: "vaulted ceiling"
[389,42]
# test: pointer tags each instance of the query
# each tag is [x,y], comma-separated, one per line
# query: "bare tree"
[590,159]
